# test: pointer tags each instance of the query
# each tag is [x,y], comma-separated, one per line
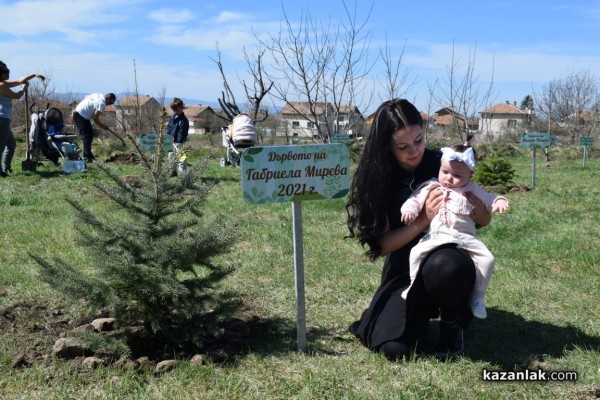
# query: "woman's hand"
[480,215]
[433,203]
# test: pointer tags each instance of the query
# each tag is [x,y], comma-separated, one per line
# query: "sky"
[103,45]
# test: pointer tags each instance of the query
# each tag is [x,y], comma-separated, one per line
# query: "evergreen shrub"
[151,253]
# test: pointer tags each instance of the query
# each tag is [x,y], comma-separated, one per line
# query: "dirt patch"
[123,158]
[34,329]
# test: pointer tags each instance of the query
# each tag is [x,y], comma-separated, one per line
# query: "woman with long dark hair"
[393,164]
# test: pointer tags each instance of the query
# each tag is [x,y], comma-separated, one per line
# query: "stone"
[92,362]
[126,363]
[144,362]
[69,347]
[81,328]
[103,324]
[164,366]
[19,360]
[197,360]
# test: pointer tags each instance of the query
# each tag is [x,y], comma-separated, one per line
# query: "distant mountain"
[78,96]
[69,97]
[196,102]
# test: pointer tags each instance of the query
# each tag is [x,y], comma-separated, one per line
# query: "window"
[310,125]
[296,124]
[512,123]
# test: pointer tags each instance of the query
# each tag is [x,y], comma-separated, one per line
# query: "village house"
[298,120]
[203,120]
[503,120]
[143,109]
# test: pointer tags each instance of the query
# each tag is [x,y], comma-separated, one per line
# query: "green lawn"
[543,302]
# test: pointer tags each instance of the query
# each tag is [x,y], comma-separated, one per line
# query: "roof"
[503,108]
[585,116]
[449,119]
[297,107]
[446,111]
[349,110]
[133,100]
[448,116]
[191,111]
[197,113]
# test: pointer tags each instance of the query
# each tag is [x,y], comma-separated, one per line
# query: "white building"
[502,120]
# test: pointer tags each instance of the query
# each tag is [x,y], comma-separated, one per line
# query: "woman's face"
[408,145]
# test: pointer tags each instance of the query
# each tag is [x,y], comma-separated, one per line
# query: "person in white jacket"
[453,223]
[88,110]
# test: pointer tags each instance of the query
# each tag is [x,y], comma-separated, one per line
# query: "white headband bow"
[467,157]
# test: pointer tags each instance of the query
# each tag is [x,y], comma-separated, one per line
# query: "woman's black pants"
[445,279]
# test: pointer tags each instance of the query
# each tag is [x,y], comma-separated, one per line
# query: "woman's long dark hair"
[369,195]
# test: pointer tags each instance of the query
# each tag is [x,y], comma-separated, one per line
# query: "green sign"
[586,140]
[295,173]
[340,138]
[148,141]
[533,139]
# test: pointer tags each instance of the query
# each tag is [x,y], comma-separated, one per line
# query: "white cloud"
[230,16]
[231,36]
[167,16]
[72,18]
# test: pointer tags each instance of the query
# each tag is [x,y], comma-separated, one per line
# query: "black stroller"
[47,139]
[237,137]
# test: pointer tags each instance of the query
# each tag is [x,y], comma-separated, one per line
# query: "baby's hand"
[500,206]
[408,218]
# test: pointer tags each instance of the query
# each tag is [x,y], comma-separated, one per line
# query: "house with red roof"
[502,120]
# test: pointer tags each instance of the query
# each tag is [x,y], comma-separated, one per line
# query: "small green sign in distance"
[147,142]
[340,138]
[586,141]
[275,174]
[533,139]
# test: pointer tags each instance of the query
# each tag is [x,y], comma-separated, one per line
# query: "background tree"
[572,101]
[255,92]
[139,113]
[526,103]
[319,63]
[395,82]
[462,92]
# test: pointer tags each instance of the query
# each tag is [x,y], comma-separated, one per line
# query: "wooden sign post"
[533,140]
[586,142]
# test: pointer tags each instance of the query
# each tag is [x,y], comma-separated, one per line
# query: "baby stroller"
[47,139]
[237,137]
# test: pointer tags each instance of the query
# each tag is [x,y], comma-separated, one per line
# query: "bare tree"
[462,94]
[573,102]
[138,113]
[320,68]
[255,92]
[395,83]
[430,108]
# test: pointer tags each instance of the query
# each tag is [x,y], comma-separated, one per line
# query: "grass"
[544,307]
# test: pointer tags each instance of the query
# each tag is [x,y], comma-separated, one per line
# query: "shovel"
[28,164]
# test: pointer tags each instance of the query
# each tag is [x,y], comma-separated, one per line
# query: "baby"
[453,223]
